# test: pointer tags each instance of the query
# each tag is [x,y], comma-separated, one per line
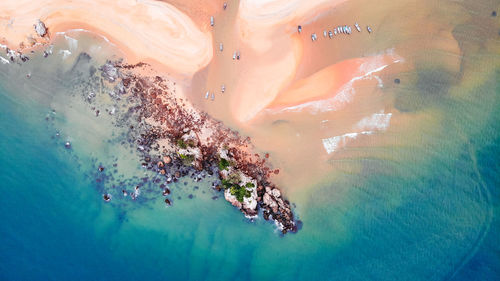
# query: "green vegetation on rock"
[232,183]
[186,159]
[223,164]
[240,192]
[181,144]
[234,178]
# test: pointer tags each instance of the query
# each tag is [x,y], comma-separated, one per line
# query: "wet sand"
[146,31]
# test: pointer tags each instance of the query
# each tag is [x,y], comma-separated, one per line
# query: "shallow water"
[417,202]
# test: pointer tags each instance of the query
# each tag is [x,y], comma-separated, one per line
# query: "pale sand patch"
[145,30]
[268,28]
[329,82]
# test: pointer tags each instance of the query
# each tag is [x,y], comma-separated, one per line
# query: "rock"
[276,193]
[269,201]
[265,215]
[106,197]
[109,72]
[40,28]
[166,192]
[167,159]
[232,199]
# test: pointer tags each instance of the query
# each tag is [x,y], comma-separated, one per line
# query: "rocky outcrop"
[257,196]
[109,72]
[176,140]
[276,208]
[247,203]
[40,28]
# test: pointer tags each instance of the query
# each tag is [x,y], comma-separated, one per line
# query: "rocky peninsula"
[177,140]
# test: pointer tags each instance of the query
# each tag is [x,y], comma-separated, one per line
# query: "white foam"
[4,60]
[378,121]
[72,42]
[343,97]
[65,53]
[83,30]
[346,93]
[366,126]
[335,143]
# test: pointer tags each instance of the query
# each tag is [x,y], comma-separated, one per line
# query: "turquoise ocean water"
[425,213]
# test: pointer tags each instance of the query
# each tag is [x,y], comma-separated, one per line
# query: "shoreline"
[191,143]
[171,41]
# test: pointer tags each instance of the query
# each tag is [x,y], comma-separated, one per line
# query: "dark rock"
[109,72]
[106,197]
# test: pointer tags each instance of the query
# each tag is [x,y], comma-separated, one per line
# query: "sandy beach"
[146,31]
[158,32]
[286,90]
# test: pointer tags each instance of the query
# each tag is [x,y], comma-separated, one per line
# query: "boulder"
[269,201]
[109,72]
[167,159]
[276,193]
[40,28]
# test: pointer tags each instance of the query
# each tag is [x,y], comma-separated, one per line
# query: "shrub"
[186,159]
[226,184]
[223,164]
[240,192]
[234,178]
